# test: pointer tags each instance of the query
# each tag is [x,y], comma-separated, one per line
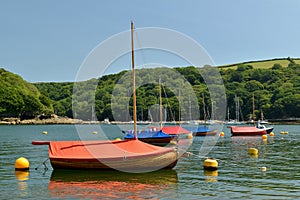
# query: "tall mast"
[133,81]
[190,108]
[179,109]
[237,107]
[160,105]
[204,111]
[253,107]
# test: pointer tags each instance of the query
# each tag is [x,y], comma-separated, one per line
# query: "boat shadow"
[93,184]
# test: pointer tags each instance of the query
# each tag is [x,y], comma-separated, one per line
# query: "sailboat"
[236,121]
[250,130]
[202,130]
[125,155]
[252,116]
[262,118]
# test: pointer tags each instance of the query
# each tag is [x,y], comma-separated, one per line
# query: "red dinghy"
[246,131]
[132,155]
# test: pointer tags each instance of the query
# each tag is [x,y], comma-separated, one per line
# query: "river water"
[239,175]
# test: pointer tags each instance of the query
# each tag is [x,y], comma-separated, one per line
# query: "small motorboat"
[263,127]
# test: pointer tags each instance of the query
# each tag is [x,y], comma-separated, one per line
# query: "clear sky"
[47,40]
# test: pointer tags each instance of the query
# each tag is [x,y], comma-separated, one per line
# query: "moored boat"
[126,155]
[246,131]
[263,127]
[151,136]
[202,131]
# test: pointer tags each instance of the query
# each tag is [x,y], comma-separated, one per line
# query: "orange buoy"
[271,134]
[190,136]
[221,134]
[264,137]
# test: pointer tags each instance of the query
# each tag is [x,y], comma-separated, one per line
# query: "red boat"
[246,131]
[127,155]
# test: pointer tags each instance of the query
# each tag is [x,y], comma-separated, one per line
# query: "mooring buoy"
[22,164]
[210,164]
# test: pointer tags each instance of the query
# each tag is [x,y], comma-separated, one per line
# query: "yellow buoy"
[118,139]
[210,164]
[173,142]
[222,134]
[190,136]
[286,132]
[271,134]
[45,132]
[253,151]
[95,132]
[263,169]
[264,137]
[22,164]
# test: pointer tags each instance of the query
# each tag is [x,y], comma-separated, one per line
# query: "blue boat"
[150,136]
[202,131]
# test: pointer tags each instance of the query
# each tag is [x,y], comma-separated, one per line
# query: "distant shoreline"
[65,120]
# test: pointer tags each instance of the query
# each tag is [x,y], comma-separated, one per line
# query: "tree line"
[187,93]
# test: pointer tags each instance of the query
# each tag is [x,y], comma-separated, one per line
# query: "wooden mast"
[133,81]
[160,105]
[204,110]
[253,118]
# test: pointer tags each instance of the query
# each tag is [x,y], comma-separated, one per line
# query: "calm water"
[239,175]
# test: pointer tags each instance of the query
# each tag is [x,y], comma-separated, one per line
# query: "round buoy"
[253,151]
[210,164]
[118,139]
[222,134]
[173,142]
[271,134]
[264,137]
[22,164]
[45,132]
[263,169]
[190,136]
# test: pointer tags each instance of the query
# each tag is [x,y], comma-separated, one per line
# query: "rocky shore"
[54,119]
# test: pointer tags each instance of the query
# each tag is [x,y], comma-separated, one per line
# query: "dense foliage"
[184,92]
[21,99]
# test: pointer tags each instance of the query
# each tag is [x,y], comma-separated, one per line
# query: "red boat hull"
[246,131]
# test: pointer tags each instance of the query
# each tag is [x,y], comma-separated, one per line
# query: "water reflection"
[111,184]
[211,176]
[22,177]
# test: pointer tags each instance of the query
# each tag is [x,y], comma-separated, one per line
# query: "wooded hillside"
[276,93]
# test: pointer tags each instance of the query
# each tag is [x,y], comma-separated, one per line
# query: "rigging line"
[43,163]
[168,103]
[140,49]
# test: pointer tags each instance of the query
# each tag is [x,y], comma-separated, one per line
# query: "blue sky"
[47,40]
